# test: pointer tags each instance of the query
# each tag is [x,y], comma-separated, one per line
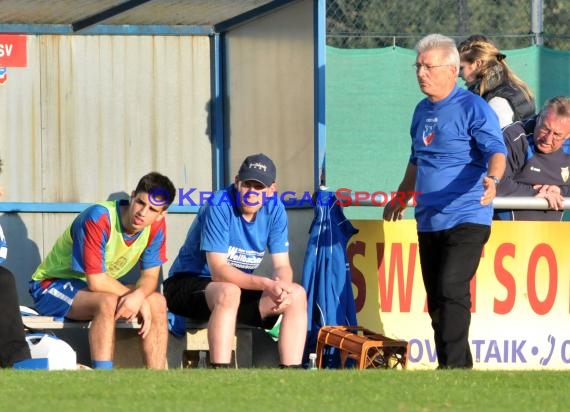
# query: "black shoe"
[281,366]
[220,365]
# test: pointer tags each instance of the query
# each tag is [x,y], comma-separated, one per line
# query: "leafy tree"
[381,23]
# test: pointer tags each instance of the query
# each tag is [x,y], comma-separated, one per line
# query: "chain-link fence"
[509,23]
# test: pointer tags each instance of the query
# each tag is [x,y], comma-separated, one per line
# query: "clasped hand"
[280,293]
[133,306]
[552,194]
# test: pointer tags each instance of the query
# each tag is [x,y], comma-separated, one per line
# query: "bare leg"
[223,299]
[100,309]
[155,344]
[293,330]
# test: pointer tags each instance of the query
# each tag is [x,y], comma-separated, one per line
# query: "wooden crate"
[370,350]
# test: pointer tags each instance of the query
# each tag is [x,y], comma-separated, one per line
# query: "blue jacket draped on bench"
[326,274]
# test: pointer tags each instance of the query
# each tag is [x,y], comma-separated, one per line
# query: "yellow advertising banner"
[520,293]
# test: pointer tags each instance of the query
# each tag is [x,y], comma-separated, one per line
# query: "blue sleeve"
[155,252]
[414,124]
[486,131]
[90,233]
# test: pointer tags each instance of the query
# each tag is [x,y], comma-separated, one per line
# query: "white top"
[503,109]
[3,246]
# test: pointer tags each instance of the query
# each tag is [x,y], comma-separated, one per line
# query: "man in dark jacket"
[536,164]
[13,345]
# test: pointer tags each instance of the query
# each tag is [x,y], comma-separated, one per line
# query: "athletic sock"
[103,364]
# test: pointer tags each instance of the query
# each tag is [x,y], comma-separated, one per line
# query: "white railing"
[514,202]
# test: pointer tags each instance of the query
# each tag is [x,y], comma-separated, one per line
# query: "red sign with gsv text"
[13,50]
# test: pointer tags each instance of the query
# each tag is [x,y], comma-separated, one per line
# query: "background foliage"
[381,23]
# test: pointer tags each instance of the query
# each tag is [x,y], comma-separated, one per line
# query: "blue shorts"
[54,297]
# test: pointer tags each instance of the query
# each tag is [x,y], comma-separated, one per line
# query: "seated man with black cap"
[212,277]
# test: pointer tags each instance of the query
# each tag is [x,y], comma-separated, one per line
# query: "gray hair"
[441,42]
[559,105]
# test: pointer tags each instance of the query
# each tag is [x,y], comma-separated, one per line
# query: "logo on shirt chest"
[428,134]
[115,268]
[244,259]
[564,173]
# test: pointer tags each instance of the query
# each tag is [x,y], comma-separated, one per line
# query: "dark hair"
[476,38]
[158,185]
[1,164]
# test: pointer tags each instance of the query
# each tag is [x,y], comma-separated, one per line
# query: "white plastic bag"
[48,352]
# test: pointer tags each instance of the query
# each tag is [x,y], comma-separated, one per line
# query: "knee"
[455,296]
[299,297]
[157,303]
[107,305]
[227,296]
[455,291]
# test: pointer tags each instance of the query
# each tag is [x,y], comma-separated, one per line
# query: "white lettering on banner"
[495,351]
[6,49]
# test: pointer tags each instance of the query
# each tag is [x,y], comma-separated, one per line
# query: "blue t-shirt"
[452,142]
[220,227]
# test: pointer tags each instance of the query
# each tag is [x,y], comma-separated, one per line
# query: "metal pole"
[380,199]
[537,21]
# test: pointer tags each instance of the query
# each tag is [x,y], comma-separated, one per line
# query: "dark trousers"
[13,345]
[449,260]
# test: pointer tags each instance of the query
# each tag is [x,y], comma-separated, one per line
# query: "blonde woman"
[486,73]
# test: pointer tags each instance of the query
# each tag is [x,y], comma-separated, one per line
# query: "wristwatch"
[494,179]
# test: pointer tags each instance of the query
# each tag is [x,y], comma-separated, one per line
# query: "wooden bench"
[37,322]
[370,350]
[186,350]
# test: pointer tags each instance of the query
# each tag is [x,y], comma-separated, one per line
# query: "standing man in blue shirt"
[457,161]
[212,277]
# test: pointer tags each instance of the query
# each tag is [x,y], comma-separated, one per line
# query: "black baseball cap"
[258,167]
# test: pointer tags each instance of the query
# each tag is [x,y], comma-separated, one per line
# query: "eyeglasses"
[417,66]
[545,132]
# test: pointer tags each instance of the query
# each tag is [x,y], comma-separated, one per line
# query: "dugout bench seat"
[182,352]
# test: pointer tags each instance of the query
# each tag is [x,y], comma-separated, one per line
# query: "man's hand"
[145,319]
[393,211]
[490,191]
[280,292]
[129,305]
[552,194]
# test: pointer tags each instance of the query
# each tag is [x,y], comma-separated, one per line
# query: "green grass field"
[279,390]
